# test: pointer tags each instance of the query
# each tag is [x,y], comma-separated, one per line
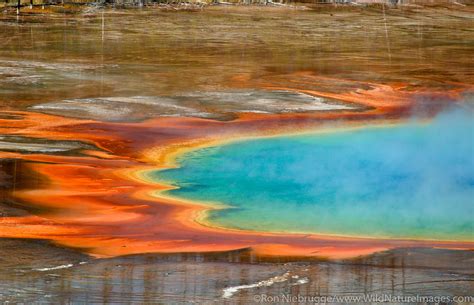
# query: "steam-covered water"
[131,65]
[414,180]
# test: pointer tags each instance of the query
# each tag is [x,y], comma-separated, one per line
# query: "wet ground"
[44,273]
[59,60]
[132,65]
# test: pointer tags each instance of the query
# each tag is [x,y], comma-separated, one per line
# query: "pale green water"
[407,181]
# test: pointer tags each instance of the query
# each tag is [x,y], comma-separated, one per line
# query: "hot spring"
[412,180]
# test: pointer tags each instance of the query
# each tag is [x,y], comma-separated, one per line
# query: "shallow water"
[148,52]
[414,180]
[205,278]
[132,65]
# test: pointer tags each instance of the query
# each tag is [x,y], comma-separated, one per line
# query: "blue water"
[414,180]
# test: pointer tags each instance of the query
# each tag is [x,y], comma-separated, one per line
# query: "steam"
[413,180]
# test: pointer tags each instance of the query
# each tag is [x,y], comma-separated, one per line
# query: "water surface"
[414,180]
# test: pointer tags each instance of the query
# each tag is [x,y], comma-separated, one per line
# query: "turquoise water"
[414,180]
